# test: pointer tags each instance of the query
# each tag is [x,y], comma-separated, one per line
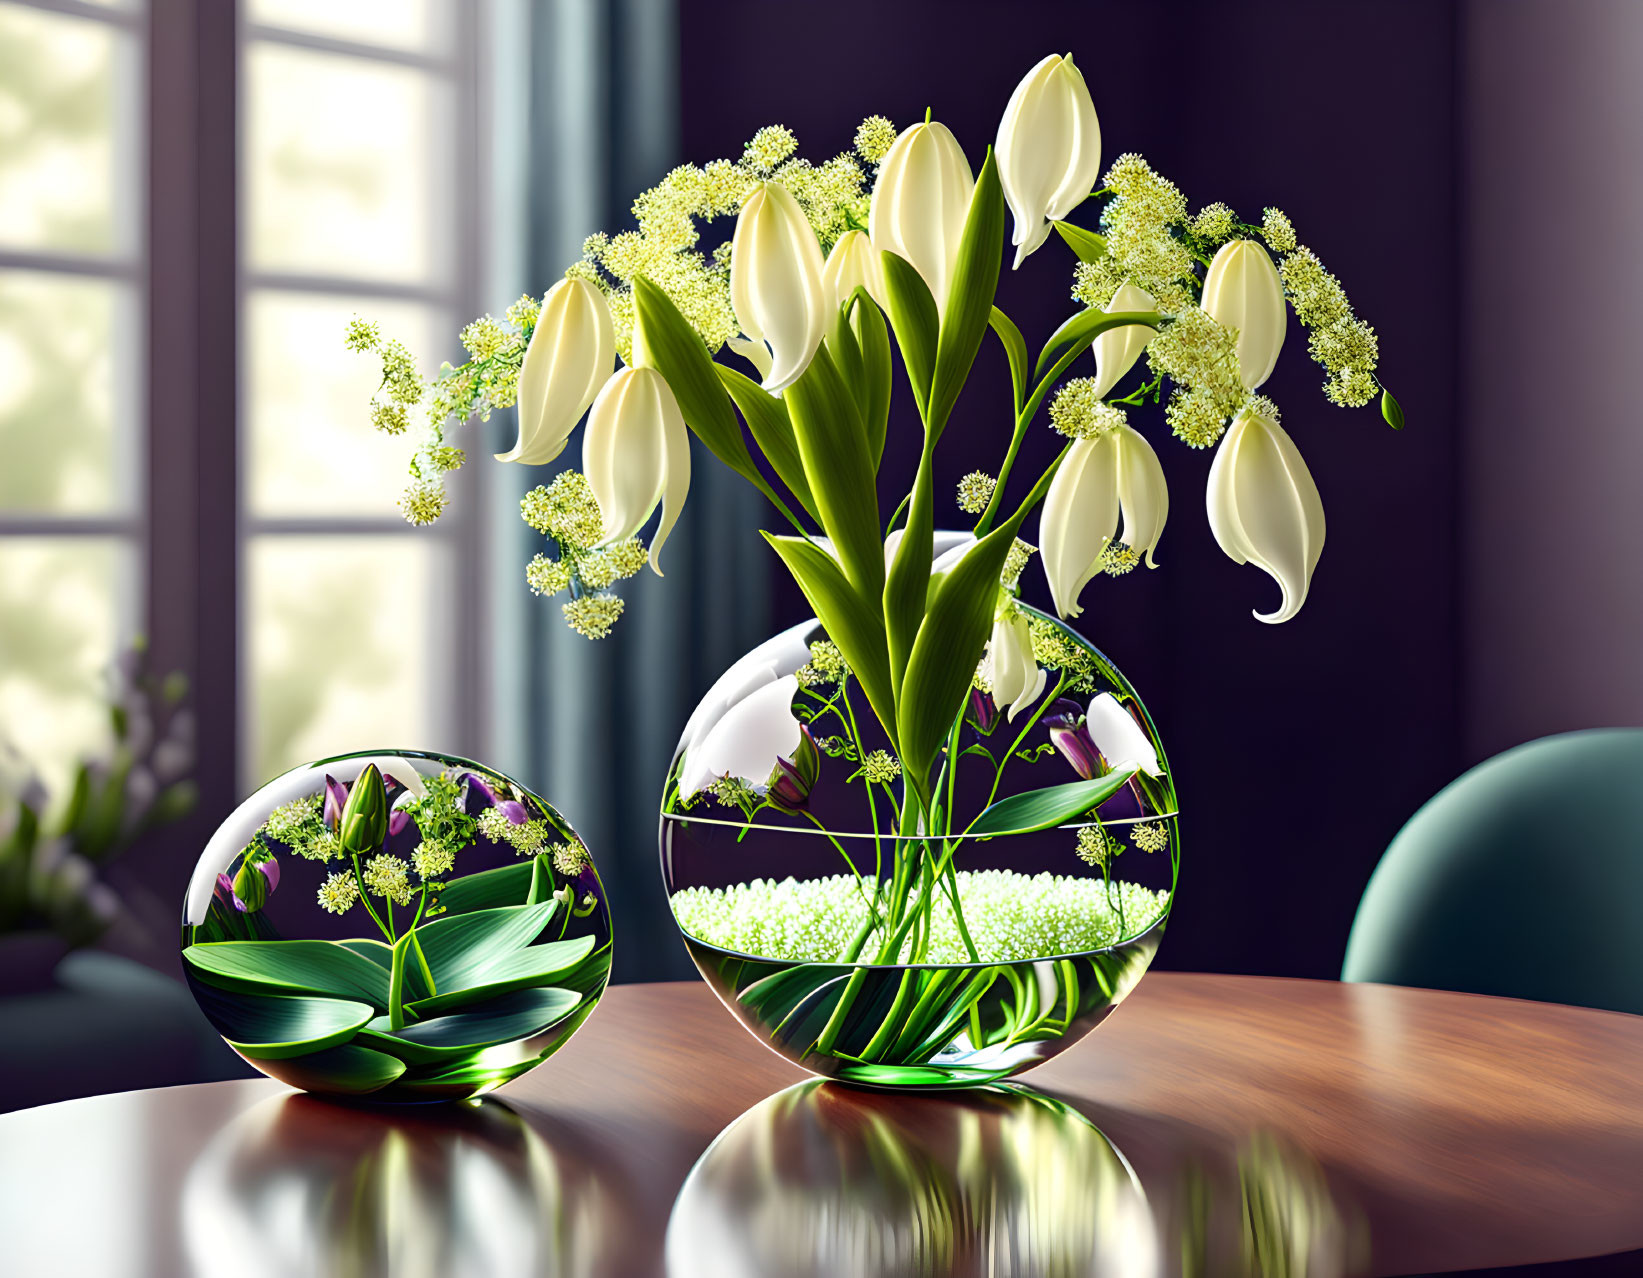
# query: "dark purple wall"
[1298,749]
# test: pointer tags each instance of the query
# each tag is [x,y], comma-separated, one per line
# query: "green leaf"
[1054,805]
[833,443]
[680,355]
[486,890]
[874,397]
[1089,246]
[462,950]
[1391,410]
[1015,346]
[970,302]
[535,965]
[949,645]
[379,952]
[294,966]
[851,621]
[768,423]
[348,1070]
[917,324]
[1082,329]
[276,1026]
[503,1020]
[907,588]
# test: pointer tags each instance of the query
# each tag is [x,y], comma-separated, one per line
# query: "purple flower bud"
[336,799]
[398,819]
[792,780]
[1071,735]
[982,711]
[270,871]
[514,811]
[477,785]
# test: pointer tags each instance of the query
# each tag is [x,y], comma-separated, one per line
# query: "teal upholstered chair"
[1524,878]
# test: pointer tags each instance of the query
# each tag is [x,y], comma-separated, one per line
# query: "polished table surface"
[1245,1124]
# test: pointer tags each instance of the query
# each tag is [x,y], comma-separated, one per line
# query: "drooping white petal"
[1117,349]
[1085,164]
[748,738]
[1017,679]
[1080,518]
[571,354]
[1119,737]
[1048,149]
[1242,291]
[1143,493]
[920,202]
[851,265]
[755,353]
[635,453]
[776,282]
[1264,508]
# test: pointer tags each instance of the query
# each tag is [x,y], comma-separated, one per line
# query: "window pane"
[340,165]
[312,449]
[68,395]
[398,24]
[340,657]
[61,81]
[63,601]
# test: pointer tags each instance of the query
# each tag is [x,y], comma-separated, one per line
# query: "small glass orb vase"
[397,926]
[877,940]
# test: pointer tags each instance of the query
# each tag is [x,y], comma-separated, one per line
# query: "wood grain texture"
[1454,1131]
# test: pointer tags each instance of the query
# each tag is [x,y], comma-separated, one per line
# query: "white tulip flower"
[1264,508]
[1017,679]
[850,265]
[921,201]
[1117,349]
[776,282]
[1242,291]
[1119,738]
[571,354]
[635,453]
[746,740]
[1116,473]
[1048,149]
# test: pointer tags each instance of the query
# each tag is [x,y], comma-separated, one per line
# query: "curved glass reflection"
[828,1180]
[299,1185]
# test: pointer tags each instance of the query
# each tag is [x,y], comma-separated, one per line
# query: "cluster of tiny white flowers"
[338,893]
[387,876]
[1010,916]
[826,665]
[975,490]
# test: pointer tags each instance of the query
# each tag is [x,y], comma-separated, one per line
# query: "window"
[72,430]
[358,179]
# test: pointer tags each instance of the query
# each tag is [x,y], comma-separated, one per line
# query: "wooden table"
[1373,1129]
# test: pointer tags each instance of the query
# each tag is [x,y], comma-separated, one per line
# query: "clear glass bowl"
[791,883]
[396,925]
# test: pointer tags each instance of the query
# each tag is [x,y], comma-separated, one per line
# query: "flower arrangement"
[774,347]
[485,944]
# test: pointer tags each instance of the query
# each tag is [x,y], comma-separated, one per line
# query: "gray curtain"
[599,719]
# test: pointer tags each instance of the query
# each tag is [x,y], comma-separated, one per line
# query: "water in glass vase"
[879,938]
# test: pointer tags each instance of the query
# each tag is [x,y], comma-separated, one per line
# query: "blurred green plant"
[51,862]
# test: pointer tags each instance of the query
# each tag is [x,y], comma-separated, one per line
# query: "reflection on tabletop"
[826,1180]
[298,1185]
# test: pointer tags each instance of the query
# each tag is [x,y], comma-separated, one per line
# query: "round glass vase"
[395,926]
[870,939]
